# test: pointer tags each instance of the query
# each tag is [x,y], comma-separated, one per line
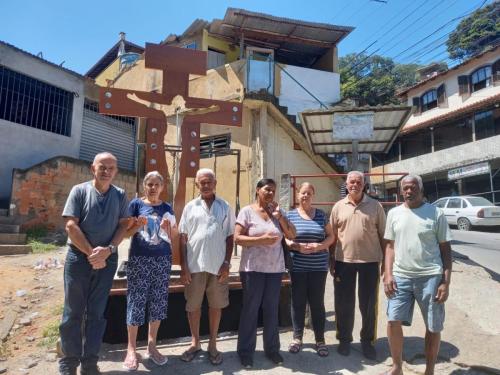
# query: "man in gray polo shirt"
[206,235]
[96,221]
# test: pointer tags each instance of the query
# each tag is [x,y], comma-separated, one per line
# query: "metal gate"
[103,133]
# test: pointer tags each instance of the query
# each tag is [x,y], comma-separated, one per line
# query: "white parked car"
[468,211]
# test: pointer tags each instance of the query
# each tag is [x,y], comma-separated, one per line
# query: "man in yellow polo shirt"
[358,222]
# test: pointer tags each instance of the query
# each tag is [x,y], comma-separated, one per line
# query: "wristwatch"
[113,249]
[228,264]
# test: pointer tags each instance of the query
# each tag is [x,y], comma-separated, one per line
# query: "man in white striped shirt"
[206,238]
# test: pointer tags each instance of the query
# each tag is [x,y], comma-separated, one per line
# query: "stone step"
[7,220]
[12,238]
[15,249]
[4,211]
[9,228]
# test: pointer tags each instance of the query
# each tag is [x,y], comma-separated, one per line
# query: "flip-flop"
[189,355]
[132,366]
[152,358]
[215,359]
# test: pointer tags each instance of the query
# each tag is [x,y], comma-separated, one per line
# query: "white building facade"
[452,139]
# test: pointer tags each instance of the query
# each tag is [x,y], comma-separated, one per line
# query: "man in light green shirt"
[417,268]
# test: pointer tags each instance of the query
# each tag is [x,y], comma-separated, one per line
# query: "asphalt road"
[482,247]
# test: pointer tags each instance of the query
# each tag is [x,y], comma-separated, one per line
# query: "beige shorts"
[201,282]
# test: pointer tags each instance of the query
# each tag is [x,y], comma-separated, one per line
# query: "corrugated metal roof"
[318,128]
[41,59]
[302,40]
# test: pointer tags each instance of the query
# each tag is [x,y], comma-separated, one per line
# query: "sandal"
[295,346]
[131,365]
[215,358]
[190,354]
[322,349]
[157,358]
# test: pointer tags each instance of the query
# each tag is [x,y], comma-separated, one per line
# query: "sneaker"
[369,351]
[246,362]
[344,348]
[71,371]
[276,358]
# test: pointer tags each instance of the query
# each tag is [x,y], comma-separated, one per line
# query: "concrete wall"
[454,100]
[22,146]
[39,192]
[443,160]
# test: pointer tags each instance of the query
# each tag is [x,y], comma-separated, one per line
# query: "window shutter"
[416,105]
[463,85]
[441,96]
[495,72]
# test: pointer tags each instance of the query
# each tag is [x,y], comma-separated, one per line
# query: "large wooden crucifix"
[176,65]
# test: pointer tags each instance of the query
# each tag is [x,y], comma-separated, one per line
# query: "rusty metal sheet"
[175,59]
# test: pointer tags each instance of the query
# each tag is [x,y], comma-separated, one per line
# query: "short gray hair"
[104,155]
[152,174]
[357,173]
[204,172]
[414,177]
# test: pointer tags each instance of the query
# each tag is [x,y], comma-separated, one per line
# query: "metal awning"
[387,123]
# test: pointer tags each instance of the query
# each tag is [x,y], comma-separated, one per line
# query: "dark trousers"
[345,291]
[86,294]
[259,289]
[308,287]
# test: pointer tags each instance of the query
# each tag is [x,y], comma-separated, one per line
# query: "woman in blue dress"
[310,257]
[148,271]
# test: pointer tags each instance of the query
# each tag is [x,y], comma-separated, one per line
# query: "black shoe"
[90,370]
[276,358]
[344,348]
[246,362]
[369,351]
[71,371]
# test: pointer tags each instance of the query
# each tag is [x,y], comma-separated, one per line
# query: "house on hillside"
[276,67]
[452,139]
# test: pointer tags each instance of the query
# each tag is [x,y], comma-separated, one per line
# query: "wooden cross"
[176,65]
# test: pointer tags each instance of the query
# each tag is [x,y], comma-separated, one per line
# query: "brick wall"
[39,193]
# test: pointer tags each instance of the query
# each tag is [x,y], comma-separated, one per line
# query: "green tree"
[373,80]
[475,33]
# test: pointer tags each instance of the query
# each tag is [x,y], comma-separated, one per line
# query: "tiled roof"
[441,74]
[453,114]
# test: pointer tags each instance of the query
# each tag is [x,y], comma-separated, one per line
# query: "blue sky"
[80,32]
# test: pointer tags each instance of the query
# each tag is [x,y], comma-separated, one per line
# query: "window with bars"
[28,101]
[209,145]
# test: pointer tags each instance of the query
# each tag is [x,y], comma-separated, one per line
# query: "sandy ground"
[470,342]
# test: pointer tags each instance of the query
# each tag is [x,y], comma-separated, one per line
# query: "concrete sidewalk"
[470,341]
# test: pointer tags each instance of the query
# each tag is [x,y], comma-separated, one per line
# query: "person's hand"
[223,273]
[274,209]
[390,287]
[332,267]
[314,247]
[141,221]
[185,276]
[98,257]
[167,227]
[442,293]
[268,238]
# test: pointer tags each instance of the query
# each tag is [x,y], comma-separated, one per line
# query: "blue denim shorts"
[423,290]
